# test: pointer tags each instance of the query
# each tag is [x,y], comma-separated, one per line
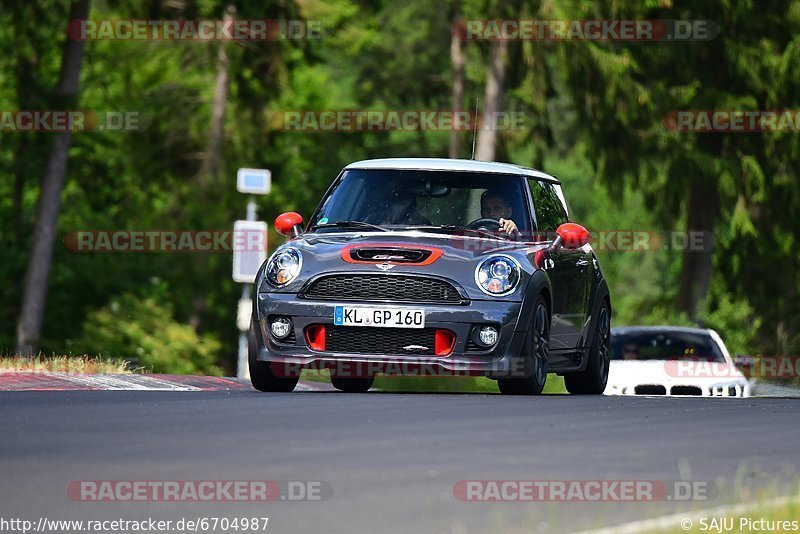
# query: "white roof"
[442,164]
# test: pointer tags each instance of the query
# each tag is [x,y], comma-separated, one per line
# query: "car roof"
[655,329]
[459,165]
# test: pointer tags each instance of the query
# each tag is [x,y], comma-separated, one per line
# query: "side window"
[550,212]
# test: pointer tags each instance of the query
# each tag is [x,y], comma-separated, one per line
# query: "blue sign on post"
[253,181]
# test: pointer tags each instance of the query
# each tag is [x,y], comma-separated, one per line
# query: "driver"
[495,205]
[630,351]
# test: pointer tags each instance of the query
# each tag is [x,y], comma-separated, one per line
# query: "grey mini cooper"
[433,267]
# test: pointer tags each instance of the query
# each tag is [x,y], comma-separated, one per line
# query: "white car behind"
[669,360]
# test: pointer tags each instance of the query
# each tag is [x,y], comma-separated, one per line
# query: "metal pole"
[251,208]
[242,367]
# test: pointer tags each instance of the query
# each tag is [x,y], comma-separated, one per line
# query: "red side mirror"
[573,235]
[289,223]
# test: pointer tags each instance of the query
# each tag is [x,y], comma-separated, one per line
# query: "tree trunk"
[213,165]
[20,154]
[27,61]
[29,327]
[213,161]
[696,265]
[457,56]
[493,100]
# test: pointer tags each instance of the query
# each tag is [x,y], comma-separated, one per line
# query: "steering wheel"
[491,225]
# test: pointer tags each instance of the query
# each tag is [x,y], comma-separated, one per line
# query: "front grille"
[384,287]
[288,340]
[722,391]
[686,390]
[650,390]
[367,340]
[474,347]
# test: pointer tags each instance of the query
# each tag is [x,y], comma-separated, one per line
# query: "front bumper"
[499,360]
[733,388]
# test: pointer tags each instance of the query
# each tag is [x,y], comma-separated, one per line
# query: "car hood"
[454,245]
[625,376]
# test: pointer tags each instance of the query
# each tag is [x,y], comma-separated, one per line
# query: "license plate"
[383,317]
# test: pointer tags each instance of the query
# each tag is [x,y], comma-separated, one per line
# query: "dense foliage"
[595,118]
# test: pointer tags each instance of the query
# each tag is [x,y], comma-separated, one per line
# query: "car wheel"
[261,375]
[535,354]
[593,380]
[352,385]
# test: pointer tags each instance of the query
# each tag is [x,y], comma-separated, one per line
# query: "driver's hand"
[507,226]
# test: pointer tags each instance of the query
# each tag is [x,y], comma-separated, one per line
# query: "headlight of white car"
[284,266]
[498,275]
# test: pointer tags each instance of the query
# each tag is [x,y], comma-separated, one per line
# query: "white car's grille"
[726,390]
[681,390]
[686,391]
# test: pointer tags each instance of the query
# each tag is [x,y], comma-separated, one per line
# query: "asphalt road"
[389,461]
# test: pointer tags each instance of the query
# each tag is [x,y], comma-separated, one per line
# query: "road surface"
[386,462]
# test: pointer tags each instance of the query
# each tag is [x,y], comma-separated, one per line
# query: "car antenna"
[475,129]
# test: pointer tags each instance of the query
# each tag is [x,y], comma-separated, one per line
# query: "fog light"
[488,336]
[280,327]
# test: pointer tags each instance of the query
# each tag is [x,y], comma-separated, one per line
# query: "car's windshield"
[665,345]
[398,199]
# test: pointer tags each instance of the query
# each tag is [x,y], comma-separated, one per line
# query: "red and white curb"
[52,381]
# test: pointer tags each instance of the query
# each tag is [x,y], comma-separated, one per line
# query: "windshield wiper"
[351,224]
[454,228]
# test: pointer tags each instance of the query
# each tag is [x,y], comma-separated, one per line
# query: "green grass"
[65,364]
[780,515]
[456,384]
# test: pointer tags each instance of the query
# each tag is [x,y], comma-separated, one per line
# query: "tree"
[714,183]
[29,327]
[457,57]
[212,164]
[492,100]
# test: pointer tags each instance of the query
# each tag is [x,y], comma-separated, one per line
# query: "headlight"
[498,275]
[284,266]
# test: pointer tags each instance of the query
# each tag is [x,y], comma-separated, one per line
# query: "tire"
[535,353]
[352,385]
[593,380]
[261,375]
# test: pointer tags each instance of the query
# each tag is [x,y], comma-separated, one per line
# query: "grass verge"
[65,364]
[768,515]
